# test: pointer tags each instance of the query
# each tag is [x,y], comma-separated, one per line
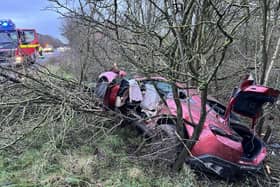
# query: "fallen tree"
[36,98]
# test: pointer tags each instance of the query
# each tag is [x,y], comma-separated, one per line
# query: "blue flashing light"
[7,25]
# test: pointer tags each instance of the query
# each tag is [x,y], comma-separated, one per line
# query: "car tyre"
[165,145]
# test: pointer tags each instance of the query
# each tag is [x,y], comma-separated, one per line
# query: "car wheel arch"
[166,119]
[172,121]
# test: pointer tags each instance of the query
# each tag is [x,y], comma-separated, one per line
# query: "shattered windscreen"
[8,39]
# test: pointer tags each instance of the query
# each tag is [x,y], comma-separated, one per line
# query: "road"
[6,74]
[48,57]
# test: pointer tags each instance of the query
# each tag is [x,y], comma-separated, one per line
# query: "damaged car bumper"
[221,167]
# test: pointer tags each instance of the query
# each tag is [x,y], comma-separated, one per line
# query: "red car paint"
[109,75]
[224,147]
[111,95]
[207,143]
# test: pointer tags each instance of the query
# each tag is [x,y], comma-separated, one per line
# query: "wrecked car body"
[225,147]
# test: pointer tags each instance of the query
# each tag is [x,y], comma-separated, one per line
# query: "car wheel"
[165,145]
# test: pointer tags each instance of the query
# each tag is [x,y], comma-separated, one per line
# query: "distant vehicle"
[17,46]
[48,48]
[225,146]
[63,49]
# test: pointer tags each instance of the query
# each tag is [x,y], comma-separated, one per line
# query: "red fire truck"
[17,46]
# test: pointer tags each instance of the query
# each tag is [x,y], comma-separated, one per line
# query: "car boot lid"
[249,99]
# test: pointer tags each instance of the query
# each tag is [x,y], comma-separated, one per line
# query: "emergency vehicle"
[17,46]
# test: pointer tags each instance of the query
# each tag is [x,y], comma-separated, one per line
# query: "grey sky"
[31,14]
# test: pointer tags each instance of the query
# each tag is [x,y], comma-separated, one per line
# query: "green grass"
[105,164]
[57,70]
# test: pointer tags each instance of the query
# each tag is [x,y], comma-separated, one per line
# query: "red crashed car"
[225,146]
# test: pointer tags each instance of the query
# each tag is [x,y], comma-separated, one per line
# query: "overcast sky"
[31,14]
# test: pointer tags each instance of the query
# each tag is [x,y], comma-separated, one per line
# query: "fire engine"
[17,46]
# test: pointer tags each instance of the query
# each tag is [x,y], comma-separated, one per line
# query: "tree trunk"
[197,130]
[274,57]
[264,40]
[263,54]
